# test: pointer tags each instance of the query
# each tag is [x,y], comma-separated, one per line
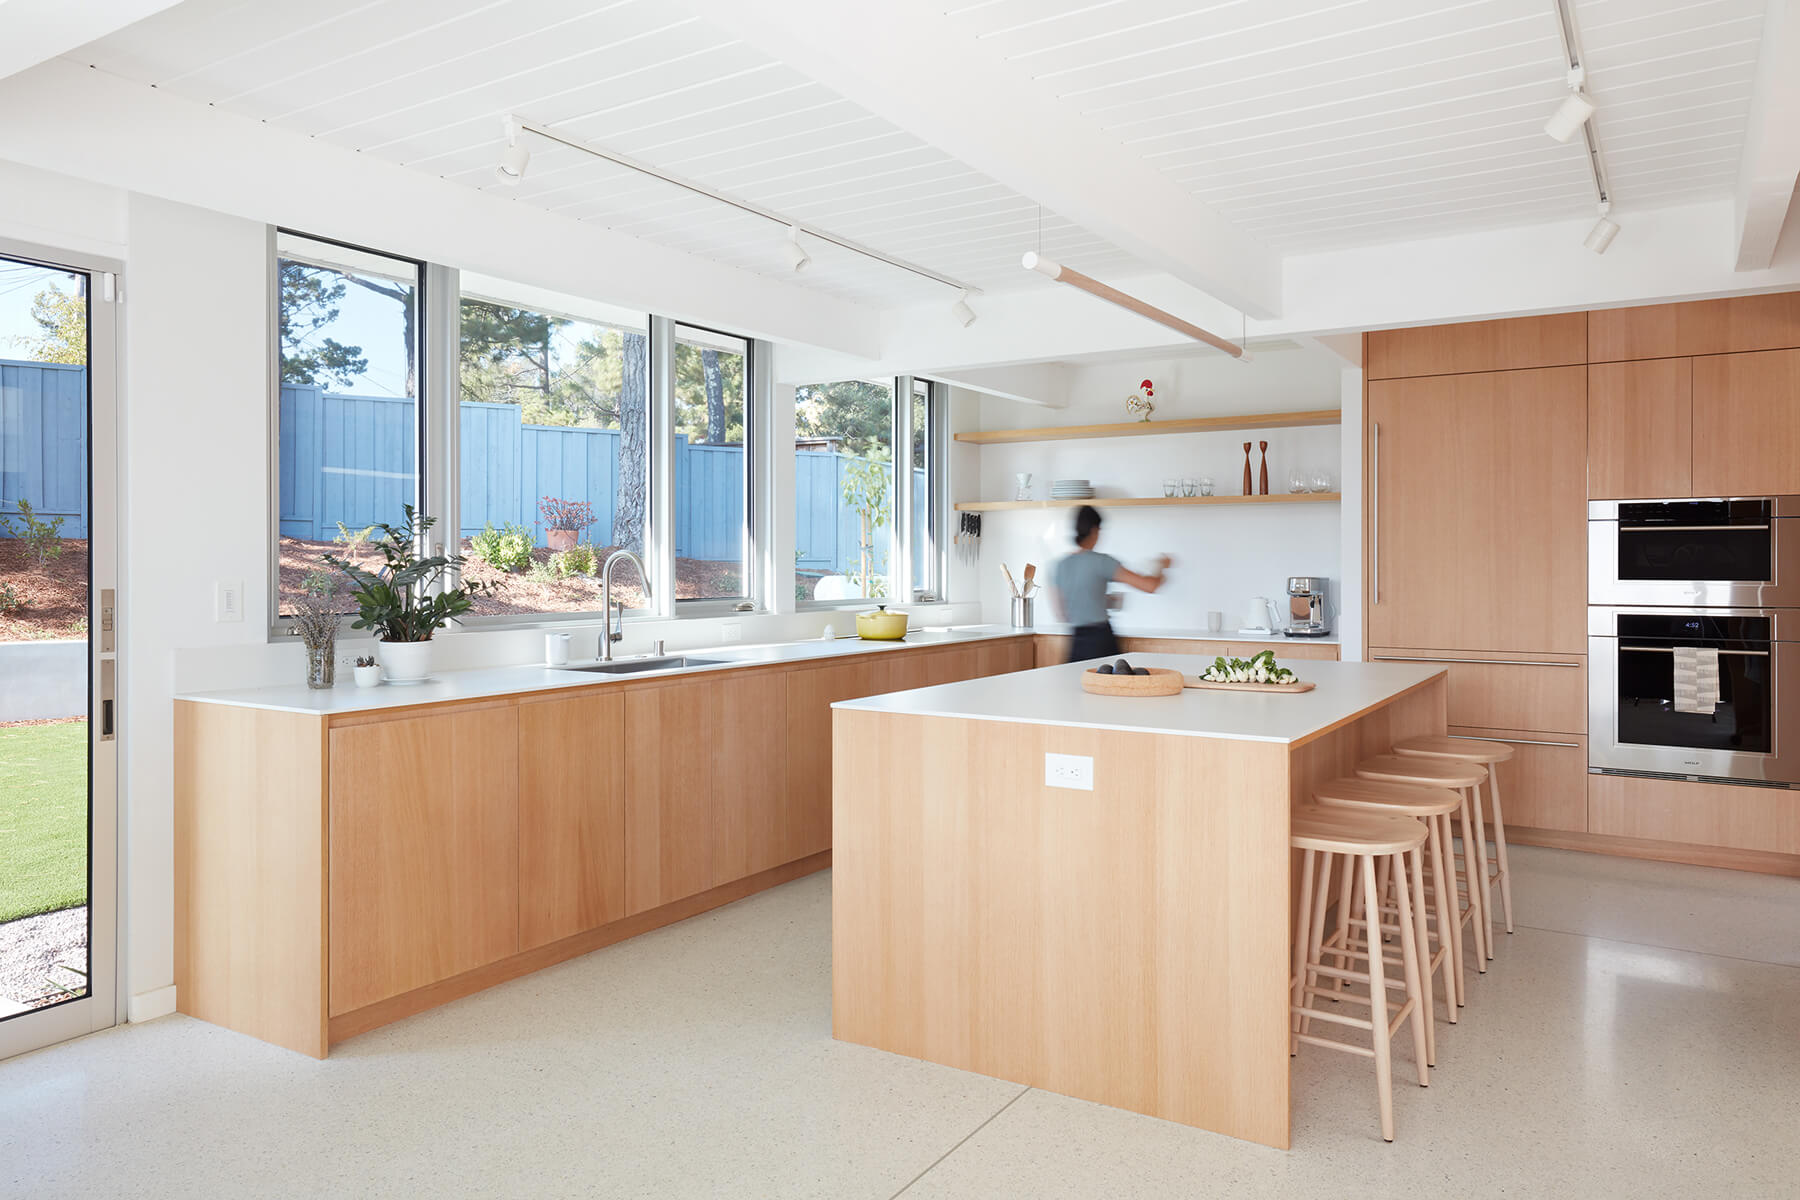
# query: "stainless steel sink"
[632,666]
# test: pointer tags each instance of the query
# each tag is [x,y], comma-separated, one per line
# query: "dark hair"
[1087,519]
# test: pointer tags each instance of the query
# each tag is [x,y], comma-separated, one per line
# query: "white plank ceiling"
[1313,123]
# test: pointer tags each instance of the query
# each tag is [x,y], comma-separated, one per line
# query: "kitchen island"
[1121,936]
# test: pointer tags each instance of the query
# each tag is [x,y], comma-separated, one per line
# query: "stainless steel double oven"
[1675,583]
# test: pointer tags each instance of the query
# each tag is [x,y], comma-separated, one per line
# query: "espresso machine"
[1307,615]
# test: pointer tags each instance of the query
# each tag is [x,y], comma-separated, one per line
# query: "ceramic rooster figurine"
[1139,403]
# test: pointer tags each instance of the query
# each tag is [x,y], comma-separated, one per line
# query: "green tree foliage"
[866,486]
[859,413]
[506,357]
[310,297]
[61,318]
[709,395]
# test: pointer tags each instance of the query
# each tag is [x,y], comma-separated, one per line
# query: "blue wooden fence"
[339,456]
[43,442]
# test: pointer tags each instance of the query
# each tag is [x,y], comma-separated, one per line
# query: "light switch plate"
[228,600]
[731,631]
[1069,771]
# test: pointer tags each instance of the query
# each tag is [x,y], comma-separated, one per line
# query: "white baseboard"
[150,1005]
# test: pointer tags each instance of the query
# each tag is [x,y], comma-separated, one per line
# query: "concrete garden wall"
[41,681]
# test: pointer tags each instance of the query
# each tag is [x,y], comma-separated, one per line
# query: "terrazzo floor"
[1639,1036]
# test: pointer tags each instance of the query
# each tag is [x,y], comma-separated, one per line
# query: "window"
[710,417]
[843,484]
[350,363]
[553,453]
[924,523]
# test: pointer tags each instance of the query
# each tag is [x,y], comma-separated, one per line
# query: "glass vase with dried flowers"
[316,622]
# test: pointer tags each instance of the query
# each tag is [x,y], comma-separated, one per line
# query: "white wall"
[1224,555]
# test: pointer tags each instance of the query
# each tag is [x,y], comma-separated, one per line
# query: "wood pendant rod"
[1044,266]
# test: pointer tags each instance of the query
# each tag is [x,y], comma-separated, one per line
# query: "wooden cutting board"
[1159,682]
[1298,686]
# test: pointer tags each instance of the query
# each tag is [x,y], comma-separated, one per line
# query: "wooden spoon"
[1030,578]
[1009,579]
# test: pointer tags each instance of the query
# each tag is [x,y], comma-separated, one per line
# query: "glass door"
[58,649]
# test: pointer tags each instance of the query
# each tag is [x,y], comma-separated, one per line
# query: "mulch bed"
[54,596]
[521,593]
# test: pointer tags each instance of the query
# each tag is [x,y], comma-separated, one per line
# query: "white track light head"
[796,253]
[1569,116]
[961,312]
[516,157]
[1602,234]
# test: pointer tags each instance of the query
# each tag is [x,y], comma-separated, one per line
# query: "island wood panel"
[424,850]
[1747,424]
[1127,945]
[1766,820]
[668,792]
[1482,505]
[1504,345]
[752,829]
[1641,429]
[1544,784]
[250,889]
[571,815]
[811,693]
[1733,325]
[1545,692]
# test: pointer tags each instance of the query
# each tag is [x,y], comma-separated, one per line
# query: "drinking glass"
[1171,487]
[1321,481]
[1187,487]
[1296,482]
[1206,485]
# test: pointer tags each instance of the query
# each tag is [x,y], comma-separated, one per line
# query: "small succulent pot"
[369,676]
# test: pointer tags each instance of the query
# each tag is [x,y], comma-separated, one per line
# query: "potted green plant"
[405,599]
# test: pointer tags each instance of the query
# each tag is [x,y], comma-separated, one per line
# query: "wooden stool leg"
[1487,884]
[1315,954]
[1381,883]
[1384,1067]
[1346,889]
[1422,940]
[1500,844]
[1302,940]
[1474,882]
[1448,913]
[1416,992]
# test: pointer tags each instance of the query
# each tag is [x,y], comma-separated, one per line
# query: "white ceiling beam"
[1770,166]
[35,31]
[906,62]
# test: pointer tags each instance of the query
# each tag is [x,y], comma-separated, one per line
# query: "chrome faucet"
[607,634]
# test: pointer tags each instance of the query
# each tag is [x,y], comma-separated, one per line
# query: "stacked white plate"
[1071,489]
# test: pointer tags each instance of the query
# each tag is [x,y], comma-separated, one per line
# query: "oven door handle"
[1671,650]
[1691,528]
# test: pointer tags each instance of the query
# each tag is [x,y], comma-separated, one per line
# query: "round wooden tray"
[1159,682]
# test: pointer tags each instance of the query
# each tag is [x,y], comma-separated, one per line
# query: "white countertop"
[1056,629]
[1053,696]
[481,683]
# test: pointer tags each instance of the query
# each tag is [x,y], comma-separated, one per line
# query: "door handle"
[1485,662]
[1470,737]
[1375,512]
[108,728]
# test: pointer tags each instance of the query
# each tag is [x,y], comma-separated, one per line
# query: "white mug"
[1215,621]
[556,649]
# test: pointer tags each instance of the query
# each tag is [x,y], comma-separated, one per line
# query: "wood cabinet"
[1479,511]
[1641,429]
[1747,424]
[811,693]
[1053,649]
[571,816]
[1511,344]
[424,874]
[1547,692]
[1544,784]
[1729,326]
[1757,819]
[752,825]
[668,792]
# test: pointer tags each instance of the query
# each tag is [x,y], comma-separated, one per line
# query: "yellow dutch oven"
[881,625]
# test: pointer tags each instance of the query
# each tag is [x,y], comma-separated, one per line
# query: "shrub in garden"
[576,560]
[10,601]
[505,549]
[43,539]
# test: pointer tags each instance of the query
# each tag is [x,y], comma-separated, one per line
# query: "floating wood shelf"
[1151,501]
[1277,420]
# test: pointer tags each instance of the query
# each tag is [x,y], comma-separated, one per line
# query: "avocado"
[1140,670]
[1104,669]
[1122,667]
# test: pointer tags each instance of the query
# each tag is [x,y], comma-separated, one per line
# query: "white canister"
[556,649]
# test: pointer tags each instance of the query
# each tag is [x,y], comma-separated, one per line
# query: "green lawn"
[43,818]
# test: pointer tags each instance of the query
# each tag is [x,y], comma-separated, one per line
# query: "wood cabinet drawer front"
[1695,814]
[1544,784]
[1543,692]
[1729,326]
[1559,340]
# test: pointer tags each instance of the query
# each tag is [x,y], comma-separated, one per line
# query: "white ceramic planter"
[368,676]
[405,662]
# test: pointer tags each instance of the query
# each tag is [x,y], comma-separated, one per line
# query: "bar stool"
[1432,805]
[1487,753]
[1359,839]
[1465,778]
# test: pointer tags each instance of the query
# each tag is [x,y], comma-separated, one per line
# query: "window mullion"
[439,334]
[659,538]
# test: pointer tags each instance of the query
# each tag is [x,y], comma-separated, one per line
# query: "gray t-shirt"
[1081,579]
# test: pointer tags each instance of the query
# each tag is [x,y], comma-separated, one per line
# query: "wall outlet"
[731,631]
[1069,771]
[228,600]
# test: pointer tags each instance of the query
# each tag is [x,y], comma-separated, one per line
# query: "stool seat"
[1347,831]
[1439,746]
[1436,772]
[1399,799]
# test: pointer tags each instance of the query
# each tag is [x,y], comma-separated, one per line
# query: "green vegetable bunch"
[1259,669]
